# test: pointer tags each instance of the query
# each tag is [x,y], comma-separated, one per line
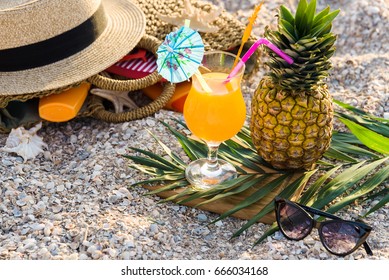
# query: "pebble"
[16,212]
[73,139]
[129,244]
[50,185]
[112,252]
[37,226]
[372,10]
[150,122]
[125,192]
[83,256]
[149,201]
[121,151]
[155,213]
[97,255]
[7,162]
[153,228]
[125,255]
[219,223]
[202,217]
[60,188]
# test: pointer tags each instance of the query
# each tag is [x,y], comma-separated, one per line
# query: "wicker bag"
[227,38]
[151,44]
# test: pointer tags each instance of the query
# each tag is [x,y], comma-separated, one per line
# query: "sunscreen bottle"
[63,106]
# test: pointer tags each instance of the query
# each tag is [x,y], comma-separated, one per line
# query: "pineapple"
[292,112]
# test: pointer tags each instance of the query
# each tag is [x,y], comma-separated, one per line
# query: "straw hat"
[49,44]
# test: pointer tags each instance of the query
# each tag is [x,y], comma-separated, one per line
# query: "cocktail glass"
[214,117]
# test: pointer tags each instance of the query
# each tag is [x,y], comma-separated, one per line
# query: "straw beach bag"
[142,27]
[47,46]
[97,108]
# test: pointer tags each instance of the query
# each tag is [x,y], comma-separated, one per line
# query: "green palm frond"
[355,168]
[286,193]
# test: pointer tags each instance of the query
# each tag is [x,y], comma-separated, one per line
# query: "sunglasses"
[340,237]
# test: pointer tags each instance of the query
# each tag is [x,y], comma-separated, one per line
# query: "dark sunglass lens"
[340,237]
[294,222]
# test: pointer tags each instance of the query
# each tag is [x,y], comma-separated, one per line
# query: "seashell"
[25,143]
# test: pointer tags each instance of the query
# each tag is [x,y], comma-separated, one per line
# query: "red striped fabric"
[148,66]
[135,68]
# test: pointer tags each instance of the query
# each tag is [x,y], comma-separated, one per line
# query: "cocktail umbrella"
[180,55]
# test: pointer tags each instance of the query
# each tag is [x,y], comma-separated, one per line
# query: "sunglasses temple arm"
[367,248]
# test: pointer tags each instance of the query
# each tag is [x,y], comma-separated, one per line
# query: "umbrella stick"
[205,69]
[202,82]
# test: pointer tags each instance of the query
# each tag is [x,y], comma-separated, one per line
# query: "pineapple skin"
[289,130]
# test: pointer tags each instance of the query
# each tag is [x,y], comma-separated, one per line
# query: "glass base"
[203,176]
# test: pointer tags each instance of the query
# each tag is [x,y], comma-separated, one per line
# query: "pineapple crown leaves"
[307,38]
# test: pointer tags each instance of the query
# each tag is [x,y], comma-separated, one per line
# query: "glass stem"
[213,164]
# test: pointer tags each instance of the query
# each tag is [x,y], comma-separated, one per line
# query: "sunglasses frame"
[318,225]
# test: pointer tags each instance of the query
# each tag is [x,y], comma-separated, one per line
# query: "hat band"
[56,48]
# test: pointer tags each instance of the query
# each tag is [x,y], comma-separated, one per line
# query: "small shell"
[25,143]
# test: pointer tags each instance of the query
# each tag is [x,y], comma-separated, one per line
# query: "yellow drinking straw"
[202,82]
[247,31]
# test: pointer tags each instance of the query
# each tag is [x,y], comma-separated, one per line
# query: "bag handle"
[147,42]
[99,111]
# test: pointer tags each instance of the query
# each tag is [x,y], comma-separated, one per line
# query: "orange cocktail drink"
[218,115]
[214,112]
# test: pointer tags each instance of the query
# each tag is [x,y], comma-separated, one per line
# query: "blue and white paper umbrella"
[180,55]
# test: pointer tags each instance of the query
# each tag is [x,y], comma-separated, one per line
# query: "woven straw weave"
[99,111]
[228,36]
[4,100]
[147,42]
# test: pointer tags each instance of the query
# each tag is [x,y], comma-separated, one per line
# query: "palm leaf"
[345,148]
[269,231]
[254,197]
[371,184]
[219,188]
[343,182]
[371,139]
[239,189]
[187,191]
[334,153]
[380,204]
[345,138]
[169,152]
[358,112]
[353,169]
[308,195]
[154,160]
[286,193]
[172,186]
[192,148]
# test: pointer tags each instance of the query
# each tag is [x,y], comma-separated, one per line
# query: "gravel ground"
[73,201]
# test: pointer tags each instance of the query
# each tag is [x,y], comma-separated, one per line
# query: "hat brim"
[125,27]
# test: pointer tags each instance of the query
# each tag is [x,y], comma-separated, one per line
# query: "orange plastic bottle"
[176,103]
[63,106]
